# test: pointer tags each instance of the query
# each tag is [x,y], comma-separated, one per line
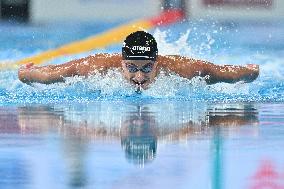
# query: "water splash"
[189,41]
[113,86]
[180,46]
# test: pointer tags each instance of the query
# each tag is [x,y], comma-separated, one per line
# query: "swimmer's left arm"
[189,68]
[230,73]
[183,66]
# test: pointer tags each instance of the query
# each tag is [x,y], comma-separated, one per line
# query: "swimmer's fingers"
[254,72]
[24,72]
[27,66]
[253,67]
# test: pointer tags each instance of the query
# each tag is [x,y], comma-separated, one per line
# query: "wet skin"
[139,72]
[138,76]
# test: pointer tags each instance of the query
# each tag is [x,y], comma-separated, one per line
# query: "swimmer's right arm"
[30,73]
[56,73]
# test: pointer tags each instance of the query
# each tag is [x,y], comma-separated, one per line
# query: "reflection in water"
[139,137]
[226,117]
[74,153]
[139,128]
[267,175]
[13,172]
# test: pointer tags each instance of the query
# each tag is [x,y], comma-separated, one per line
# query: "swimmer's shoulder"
[171,60]
[184,66]
[177,59]
[104,60]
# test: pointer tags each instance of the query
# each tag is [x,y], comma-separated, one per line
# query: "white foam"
[111,83]
[177,47]
[172,86]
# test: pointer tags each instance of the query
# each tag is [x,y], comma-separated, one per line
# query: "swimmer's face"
[139,72]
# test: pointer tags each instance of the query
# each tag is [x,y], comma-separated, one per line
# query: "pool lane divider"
[110,37]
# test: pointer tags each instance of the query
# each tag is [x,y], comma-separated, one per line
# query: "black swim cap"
[140,45]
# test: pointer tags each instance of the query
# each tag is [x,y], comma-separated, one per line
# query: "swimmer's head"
[140,45]
[139,54]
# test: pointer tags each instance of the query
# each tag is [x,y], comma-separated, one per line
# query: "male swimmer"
[139,64]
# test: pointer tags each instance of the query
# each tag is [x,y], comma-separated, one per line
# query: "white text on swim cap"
[141,48]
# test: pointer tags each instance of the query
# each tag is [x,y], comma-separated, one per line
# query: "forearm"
[57,73]
[47,74]
[189,68]
[229,73]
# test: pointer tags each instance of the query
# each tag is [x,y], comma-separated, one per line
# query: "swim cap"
[139,45]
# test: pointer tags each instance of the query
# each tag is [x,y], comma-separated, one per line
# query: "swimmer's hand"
[231,73]
[29,73]
[24,72]
[253,72]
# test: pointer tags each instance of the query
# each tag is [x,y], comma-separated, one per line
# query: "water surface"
[141,145]
[99,133]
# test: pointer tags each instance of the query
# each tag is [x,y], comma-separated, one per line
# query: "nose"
[139,77]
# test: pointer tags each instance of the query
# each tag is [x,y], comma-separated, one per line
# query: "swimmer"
[140,64]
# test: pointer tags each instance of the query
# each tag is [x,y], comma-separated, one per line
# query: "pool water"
[142,145]
[218,42]
[99,133]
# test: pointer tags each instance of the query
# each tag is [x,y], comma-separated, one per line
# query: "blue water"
[99,133]
[218,42]
[142,145]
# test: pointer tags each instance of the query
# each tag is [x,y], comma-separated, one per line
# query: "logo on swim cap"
[141,49]
[139,45]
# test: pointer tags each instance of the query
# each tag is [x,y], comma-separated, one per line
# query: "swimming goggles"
[147,68]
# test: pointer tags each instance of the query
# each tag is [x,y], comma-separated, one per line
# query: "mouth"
[140,85]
